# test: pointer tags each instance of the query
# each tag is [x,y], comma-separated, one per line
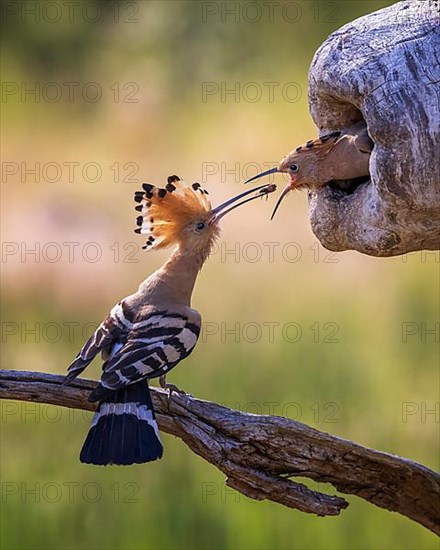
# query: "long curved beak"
[279,201]
[260,191]
[266,173]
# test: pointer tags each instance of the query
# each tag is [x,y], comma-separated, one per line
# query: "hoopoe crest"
[166,213]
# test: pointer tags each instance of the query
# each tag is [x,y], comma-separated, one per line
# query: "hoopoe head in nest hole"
[304,165]
[181,214]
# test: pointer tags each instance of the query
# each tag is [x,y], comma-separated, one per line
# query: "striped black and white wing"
[153,346]
[112,330]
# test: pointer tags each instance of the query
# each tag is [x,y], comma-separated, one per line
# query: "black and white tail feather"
[124,430]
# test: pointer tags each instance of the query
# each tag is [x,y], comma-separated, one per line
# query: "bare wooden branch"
[259,453]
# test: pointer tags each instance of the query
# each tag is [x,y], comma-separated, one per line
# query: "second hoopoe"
[339,157]
[147,333]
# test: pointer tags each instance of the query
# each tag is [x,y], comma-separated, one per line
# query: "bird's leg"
[170,387]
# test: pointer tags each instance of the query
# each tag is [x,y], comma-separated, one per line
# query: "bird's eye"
[200,226]
[293,168]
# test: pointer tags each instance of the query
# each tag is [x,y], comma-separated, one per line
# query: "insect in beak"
[261,191]
[290,187]
[266,173]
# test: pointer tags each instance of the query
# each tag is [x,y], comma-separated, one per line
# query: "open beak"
[290,187]
[261,191]
[280,200]
[266,173]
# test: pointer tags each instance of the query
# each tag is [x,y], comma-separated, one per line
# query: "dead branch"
[260,453]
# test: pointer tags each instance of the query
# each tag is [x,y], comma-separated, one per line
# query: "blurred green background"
[98,98]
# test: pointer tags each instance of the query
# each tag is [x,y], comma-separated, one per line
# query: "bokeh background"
[98,98]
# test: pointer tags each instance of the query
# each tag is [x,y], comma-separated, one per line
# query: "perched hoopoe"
[338,157]
[147,333]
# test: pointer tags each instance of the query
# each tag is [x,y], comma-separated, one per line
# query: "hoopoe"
[147,333]
[338,157]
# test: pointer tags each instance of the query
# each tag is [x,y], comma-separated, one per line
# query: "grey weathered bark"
[384,67]
[259,453]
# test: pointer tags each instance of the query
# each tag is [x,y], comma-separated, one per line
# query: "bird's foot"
[170,387]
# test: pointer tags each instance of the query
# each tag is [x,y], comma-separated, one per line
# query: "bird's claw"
[169,387]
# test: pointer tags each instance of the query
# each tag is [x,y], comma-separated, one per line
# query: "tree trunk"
[384,68]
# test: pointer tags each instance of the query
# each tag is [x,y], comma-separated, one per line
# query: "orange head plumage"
[304,164]
[182,214]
